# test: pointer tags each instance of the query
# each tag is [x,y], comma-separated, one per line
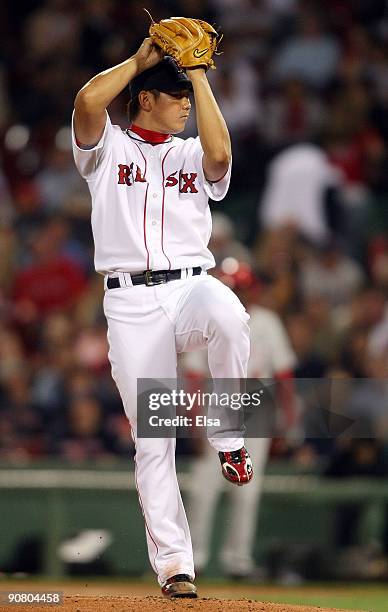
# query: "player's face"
[171,111]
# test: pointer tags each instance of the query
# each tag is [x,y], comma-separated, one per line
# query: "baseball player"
[271,359]
[151,225]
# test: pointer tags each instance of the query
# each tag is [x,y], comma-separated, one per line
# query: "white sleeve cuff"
[217,190]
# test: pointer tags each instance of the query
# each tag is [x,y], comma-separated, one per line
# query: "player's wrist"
[196,73]
[136,64]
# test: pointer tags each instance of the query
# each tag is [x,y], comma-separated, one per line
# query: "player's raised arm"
[212,129]
[94,97]
[192,43]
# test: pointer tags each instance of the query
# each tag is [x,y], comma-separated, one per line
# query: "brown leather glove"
[191,42]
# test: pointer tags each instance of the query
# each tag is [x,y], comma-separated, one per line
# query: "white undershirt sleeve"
[217,190]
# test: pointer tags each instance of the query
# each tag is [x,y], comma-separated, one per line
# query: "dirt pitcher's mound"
[79,603]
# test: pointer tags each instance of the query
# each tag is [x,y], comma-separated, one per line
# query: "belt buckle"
[150,282]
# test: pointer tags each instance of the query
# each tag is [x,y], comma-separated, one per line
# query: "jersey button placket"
[155,228]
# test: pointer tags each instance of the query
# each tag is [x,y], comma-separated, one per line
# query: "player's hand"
[148,55]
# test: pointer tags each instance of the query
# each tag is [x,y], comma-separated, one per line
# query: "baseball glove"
[191,42]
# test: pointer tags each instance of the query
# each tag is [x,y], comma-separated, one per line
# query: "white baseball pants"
[147,327]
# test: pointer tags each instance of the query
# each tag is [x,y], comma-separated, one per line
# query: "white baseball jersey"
[149,202]
[297,180]
[271,351]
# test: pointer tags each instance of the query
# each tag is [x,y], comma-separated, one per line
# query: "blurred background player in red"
[272,360]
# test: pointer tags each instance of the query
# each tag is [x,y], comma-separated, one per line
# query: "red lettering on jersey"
[171,180]
[187,182]
[139,178]
[125,174]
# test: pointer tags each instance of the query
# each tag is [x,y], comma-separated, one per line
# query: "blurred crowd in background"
[303,86]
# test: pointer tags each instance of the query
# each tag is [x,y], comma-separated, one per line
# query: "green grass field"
[353,598]
[348,596]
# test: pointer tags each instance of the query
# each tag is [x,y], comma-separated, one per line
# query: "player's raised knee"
[231,324]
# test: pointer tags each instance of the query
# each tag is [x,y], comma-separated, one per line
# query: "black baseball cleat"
[236,466]
[180,585]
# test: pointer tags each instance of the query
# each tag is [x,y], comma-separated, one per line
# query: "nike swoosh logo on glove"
[198,53]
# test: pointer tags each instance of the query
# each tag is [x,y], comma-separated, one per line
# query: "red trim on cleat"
[236,466]
[179,586]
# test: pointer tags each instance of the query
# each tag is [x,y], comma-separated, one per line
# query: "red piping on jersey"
[145,161]
[144,228]
[149,135]
[145,207]
[164,193]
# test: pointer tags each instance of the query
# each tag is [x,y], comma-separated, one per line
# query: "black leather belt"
[151,278]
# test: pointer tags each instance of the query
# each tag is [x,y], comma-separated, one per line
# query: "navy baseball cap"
[165,76]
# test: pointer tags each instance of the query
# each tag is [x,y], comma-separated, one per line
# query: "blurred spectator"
[5,110]
[291,114]
[352,353]
[96,34]
[310,55]
[84,436]
[59,180]
[329,273]
[240,113]
[327,341]
[367,403]
[8,250]
[309,363]
[378,260]
[21,434]
[353,144]
[223,243]
[356,49]
[6,210]
[299,185]
[52,29]
[277,258]
[51,281]
[378,336]
[91,348]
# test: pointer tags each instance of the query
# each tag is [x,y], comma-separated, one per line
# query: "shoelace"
[236,456]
